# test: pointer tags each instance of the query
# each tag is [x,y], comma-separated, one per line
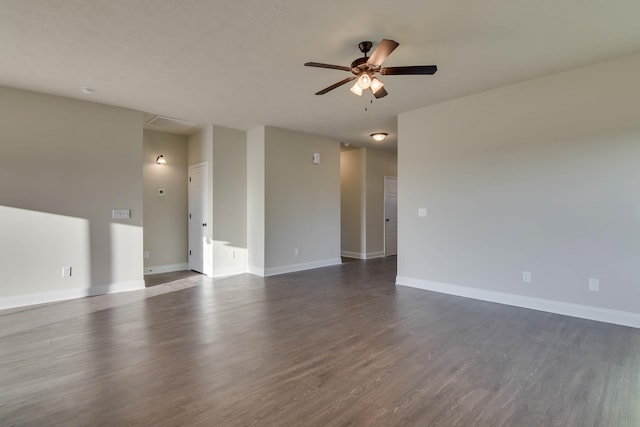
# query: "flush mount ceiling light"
[379,136]
[366,67]
[161,160]
[87,90]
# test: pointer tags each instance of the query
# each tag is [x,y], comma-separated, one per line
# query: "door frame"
[205,204]
[384,214]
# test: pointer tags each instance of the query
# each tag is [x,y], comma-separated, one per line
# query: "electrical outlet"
[146,255]
[422,212]
[232,254]
[594,285]
[121,214]
[526,276]
[66,271]
[296,251]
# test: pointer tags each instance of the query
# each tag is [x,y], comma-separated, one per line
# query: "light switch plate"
[594,285]
[121,214]
[422,212]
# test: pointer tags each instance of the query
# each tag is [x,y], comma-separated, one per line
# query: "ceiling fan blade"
[383,50]
[335,85]
[333,67]
[380,93]
[415,70]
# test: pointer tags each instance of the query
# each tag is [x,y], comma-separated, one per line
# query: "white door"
[198,202]
[390,216]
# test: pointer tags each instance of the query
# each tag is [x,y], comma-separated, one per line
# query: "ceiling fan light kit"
[356,89]
[365,68]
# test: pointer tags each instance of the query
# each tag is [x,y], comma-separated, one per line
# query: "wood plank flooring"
[161,278]
[335,346]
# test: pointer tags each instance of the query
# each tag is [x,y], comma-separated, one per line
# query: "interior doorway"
[390,216]
[198,216]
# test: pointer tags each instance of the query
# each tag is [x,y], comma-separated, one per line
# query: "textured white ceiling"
[239,63]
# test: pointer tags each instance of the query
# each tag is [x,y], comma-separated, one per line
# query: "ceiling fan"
[365,68]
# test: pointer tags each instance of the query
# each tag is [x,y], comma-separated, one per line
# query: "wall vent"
[170,124]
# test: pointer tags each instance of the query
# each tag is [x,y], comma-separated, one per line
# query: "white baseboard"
[372,255]
[362,255]
[258,271]
[558,307]
[357,255]
[272,271]
[166,268]
[65,294]
[230,271]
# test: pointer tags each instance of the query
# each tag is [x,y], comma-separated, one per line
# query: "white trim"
[66,294]
[357,255]
[166,268]
[362,255]
[568,309]
[229,271]
[372,255]
[258,271]
[272,271]
[384,214]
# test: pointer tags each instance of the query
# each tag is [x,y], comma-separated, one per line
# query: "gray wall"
[165,217]
[64,165]
[540,176]
[362,173]
[378,165]
[229,191]
[302,200]
[225,152]
[352,203]
[256,200]
[292,203]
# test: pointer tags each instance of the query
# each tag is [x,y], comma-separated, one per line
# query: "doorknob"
[204,224]
[387,219]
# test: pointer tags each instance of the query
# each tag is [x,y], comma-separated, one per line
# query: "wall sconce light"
[379,136]
[161,160]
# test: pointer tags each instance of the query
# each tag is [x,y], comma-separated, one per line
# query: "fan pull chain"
[366,108]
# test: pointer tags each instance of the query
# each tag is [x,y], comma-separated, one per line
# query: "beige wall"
[64,165]
[352,203]
[293,204]
[362,173]
[256,200]
[225,152]
[229,193]
[302,200]
[165,217]
[540,176]
[378,165]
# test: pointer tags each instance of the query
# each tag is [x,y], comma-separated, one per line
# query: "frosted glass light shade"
[356,90]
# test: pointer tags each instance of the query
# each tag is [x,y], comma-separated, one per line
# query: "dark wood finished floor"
[161,278]
[335,346]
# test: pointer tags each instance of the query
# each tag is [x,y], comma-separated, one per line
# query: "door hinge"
[189,179]
[189,216]
[189,252]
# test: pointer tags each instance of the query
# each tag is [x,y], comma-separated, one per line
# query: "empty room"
[286,213]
